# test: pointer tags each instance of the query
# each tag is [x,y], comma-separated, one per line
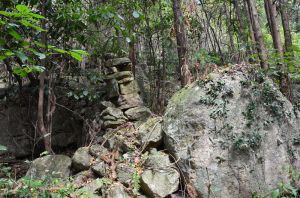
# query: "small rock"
[129,88]
[138,113]
[160,183]
[82,177]
[126,80]
[117,62]
[129,101]
[112,88]
[81,159]
[104,104]
[113,123]
[159,170]
[55,166]
[151,133]
[114,112]
[125,173]
[158,159]
[101,169]
[92,189]
[119,75]
[97,150]
[116,191]
[110,70]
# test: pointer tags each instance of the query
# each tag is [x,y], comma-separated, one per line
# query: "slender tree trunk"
[40,114]
[271,15]
[259,43]
[286,25]
[182,69]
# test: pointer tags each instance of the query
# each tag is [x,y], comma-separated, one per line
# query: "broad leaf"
[22,8]
[15,34]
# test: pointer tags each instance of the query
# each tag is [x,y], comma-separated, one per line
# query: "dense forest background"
[48,47]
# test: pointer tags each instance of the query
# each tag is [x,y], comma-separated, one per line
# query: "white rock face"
[235,131]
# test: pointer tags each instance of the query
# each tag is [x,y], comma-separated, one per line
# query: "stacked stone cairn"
[124,94]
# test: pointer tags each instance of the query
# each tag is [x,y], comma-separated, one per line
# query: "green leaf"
[28,24]
[75,55]
[2,22]
[3,148]
[275,193]
[135,14]
[36,16]
[21,55]
[22,8]
[82,52]
[59,50]
[20,72]
[40,55]
[7,14]
[15,34]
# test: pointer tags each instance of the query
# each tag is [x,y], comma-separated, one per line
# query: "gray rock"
[126,80]
[160,183]
[129,101]
[138,113]
[54,166]
[97,150]
[113,123]
[93,189]
[119,75]
[227,129]
[115,113]
[82,177]
[110,70]
[157,160]
[104,104]
[81,159]
[129,88]
[125,173]
[117,62]
[160,178]
[116,191]
[151,133]
[101,169]
[112,88]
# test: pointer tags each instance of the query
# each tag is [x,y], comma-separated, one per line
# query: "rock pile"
[125,161]
[123,91]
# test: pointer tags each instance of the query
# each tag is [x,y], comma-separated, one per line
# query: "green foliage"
[26,187]
[204,57]
[284,189]
[247,140]
[14,41]
[136,183]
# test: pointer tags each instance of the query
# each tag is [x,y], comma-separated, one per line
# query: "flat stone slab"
[117,62]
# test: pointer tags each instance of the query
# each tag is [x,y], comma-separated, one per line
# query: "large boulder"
[50,166]
[233,134]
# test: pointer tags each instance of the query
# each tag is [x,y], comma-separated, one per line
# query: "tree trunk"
[271,15]
[40,114]
[182,69]
[259,43]
[286,25]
